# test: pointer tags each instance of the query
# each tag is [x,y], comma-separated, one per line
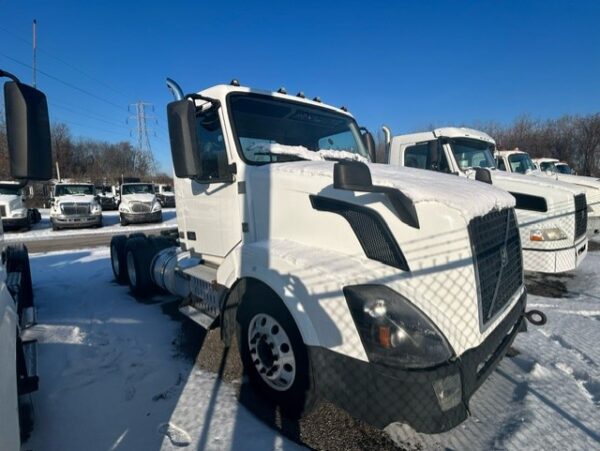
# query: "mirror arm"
[3,73]
[214,102]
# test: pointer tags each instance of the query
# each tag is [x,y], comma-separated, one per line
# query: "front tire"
[122,220]
[273,353]
[117,258]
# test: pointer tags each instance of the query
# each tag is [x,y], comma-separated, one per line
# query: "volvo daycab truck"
[552,216]
[13,211]
[517,161]
[75,205]
[30,158]
[138,203]
[386,291]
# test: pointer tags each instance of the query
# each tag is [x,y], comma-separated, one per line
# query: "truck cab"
[75,205]
[552,216]
[13,209]
[165,195]
[336,275]
[517,161]
[107,196]
[30,158]
[138,204]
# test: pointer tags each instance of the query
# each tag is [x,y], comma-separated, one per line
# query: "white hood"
[80,199]
[138,197]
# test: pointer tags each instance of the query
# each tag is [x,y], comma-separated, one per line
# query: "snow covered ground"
[43,229]
[117,373]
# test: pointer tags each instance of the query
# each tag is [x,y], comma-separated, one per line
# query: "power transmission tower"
[142,131]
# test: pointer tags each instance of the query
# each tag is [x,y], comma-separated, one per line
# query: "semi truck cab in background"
[517,161]
[75,205]
[552,215]
[30,158]
[165,195]
[13,208]
[138,204]
[370,286]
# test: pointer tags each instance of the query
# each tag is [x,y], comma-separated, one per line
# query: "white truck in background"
[386,291]
[165,195]
[552,216]
[13,210]
[30,157]
[108,197]
[75,205]
[517,161]
[138,203]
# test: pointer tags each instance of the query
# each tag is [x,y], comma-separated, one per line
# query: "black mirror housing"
[369,143]
[181,115]
[351,175]
[28,132]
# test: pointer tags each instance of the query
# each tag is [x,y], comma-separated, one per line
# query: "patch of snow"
[43,229]
[310,155]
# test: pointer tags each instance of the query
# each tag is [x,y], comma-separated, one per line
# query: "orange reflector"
[385,336]
[536,238]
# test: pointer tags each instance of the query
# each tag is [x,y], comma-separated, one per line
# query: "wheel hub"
[271,352]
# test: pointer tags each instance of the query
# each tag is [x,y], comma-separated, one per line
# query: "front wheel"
[123,220]
[273,353]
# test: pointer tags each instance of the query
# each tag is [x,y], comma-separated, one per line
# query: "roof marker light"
[317,99]
[343,108]
[282,90]
[234,82]
[301,95]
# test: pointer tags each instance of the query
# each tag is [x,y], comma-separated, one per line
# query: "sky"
[407,64]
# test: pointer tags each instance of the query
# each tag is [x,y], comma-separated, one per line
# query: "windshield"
[137,189]
[272,130]
[73,190]
[521,162]
[473,153]
[563,168]
[548,166]
[10,190]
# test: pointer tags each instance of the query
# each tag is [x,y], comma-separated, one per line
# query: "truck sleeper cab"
[517,161]
[138,204]
[342,279]
[552,216]
[75,205]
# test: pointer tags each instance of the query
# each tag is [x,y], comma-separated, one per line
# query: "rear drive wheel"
[117,258]
[273,353]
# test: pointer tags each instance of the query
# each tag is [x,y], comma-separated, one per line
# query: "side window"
[416,156]
[500,164]
[213,154]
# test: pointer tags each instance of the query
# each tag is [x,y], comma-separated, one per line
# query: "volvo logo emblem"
[503,256]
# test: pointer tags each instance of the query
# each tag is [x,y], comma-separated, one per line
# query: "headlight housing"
[393,331]
[156,206]
[96,207]
[124,207]
[550,234]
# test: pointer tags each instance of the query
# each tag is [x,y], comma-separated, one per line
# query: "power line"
[66,83]
[55,105]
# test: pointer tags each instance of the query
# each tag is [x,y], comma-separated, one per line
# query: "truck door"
[426,155]
[210,202]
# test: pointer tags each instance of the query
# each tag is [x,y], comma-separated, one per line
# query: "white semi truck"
[75,205]
[108,197]
[517,161]
[28,135]
[552,216]
[165,195]
[387,291]
[13,210]
[138,203]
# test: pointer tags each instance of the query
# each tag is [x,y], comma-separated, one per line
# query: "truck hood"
[530,185]
[78,199]
[140,197]
[8,198]
[418,185]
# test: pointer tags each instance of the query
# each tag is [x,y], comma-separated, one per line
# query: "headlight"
[96,207]
[393,331]
[124,207]
[553,234]
[156,206]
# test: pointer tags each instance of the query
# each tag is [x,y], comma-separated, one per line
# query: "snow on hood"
[541,182]
[138,197]
[310,155]
[471,199]
[74,198]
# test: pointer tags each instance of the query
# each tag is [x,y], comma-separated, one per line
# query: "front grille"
[75,208]
[141,207]
[581,215]
[2,211]
[497,253]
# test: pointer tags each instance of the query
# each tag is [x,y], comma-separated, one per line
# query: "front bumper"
[74,221]
[142,217]
[556,260]
[380,395]
[15,223]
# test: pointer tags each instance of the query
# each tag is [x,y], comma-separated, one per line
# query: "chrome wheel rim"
[131,269]
[271,352]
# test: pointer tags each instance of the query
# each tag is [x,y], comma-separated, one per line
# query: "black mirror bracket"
[356,176]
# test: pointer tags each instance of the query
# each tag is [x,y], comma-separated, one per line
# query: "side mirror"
[181,116]
[483,175]
[28,132]
[433,154]
[352,177]
[369,143]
